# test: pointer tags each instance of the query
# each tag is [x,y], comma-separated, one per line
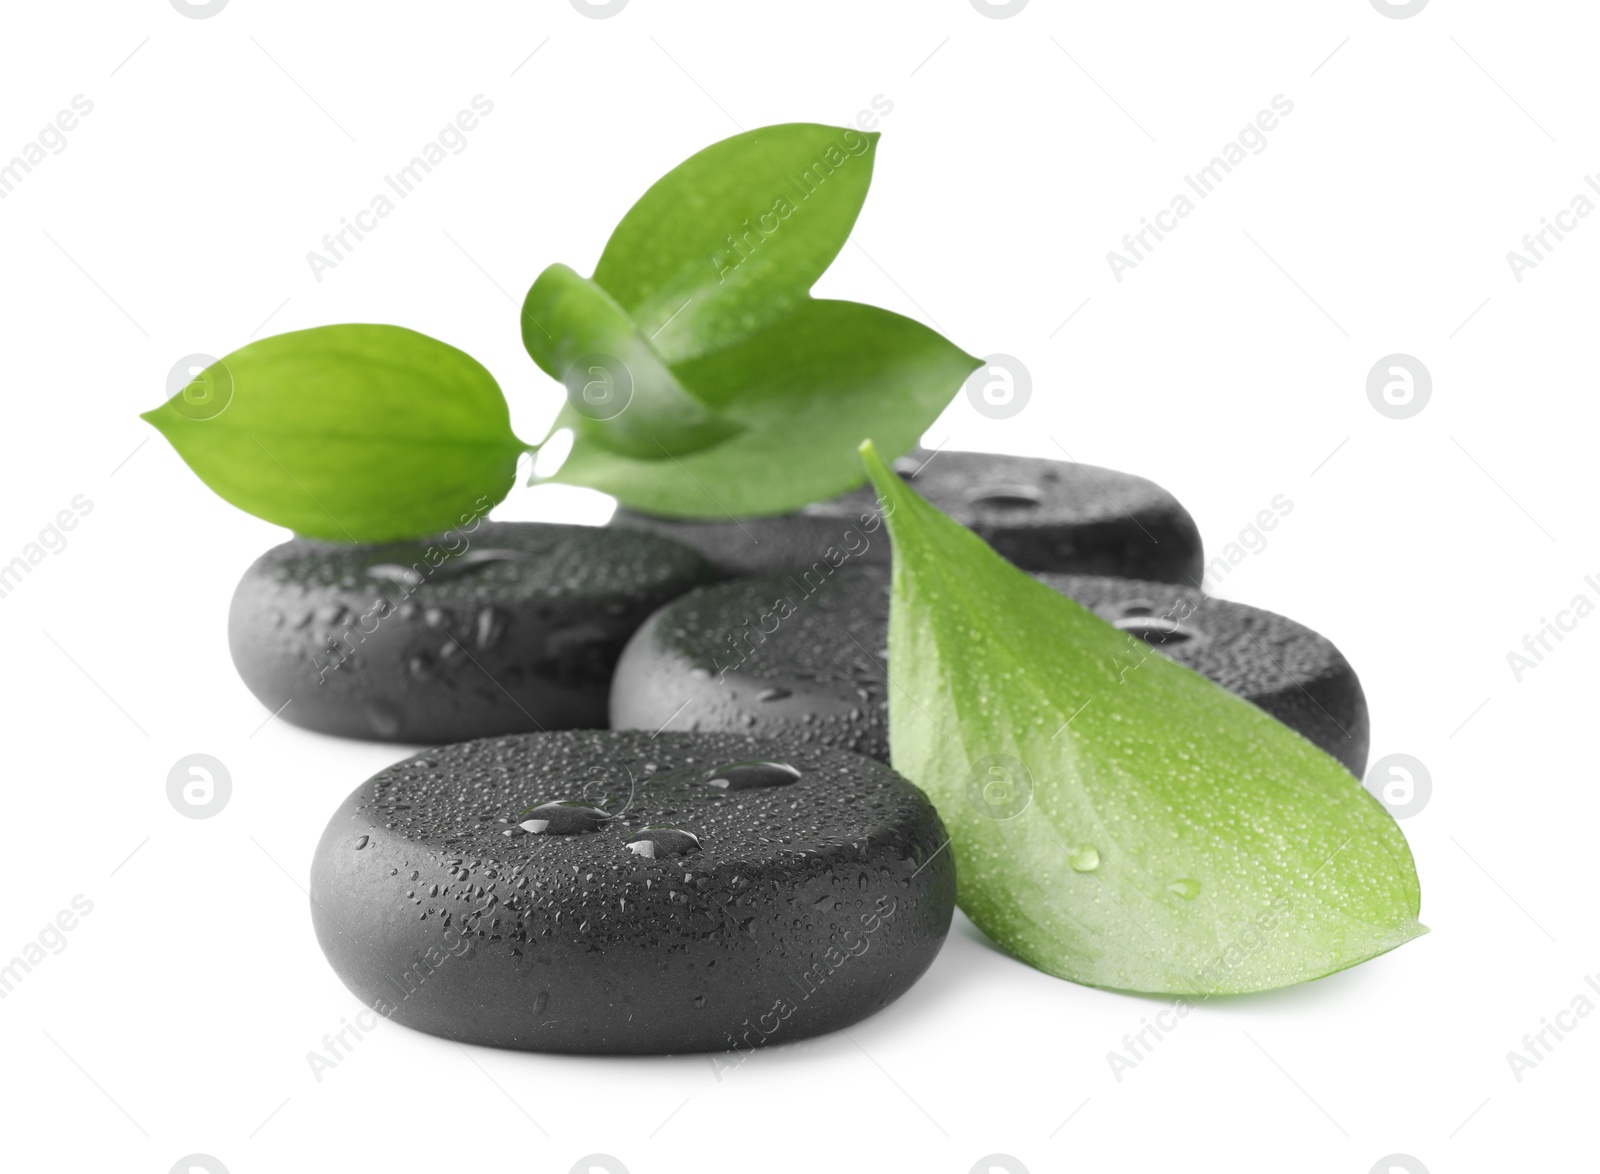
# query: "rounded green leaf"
[350,433]
[1117,819]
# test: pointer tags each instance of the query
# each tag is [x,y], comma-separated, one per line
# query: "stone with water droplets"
[1043,515]
[510,626]
[682,913]
[821,643]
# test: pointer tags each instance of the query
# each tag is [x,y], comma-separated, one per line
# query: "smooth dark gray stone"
[1043,515]
[517,628]
[706,662]
[759,915]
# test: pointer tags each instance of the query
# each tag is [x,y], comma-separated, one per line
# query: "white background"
[1230,366]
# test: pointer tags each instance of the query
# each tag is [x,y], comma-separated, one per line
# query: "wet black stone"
[517,627]
[823,648]
[1043,515]
[761,916]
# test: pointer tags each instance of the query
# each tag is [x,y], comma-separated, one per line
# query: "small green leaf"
[735,236]
[1117,819]
[350,433]
[804,391]
[621,394]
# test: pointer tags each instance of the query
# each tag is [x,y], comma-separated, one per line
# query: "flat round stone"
[514,626]
[1043,515]
[688,917]
[780,656]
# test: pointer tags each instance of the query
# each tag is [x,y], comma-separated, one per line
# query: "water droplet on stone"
[773,693]
[1157,631]
[745,776]
[361,842]
[490,627]
[659,843]
[395,573]
[564,817]
[1084,858]
[384,719]
[1006,497]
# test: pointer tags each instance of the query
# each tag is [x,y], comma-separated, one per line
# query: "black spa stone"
[513,627]
[708,892]
[1043,515]
[782,656]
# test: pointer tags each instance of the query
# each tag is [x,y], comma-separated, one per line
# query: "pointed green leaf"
[350,433]
[1117,819]
[804,391]
[736,235]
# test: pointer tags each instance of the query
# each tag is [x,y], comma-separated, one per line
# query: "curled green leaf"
[621,394]
[349,433]
[1117,819]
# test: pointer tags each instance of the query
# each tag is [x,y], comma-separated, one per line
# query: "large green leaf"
[1117,819]
[351,433]
[804,391]
[735,236]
